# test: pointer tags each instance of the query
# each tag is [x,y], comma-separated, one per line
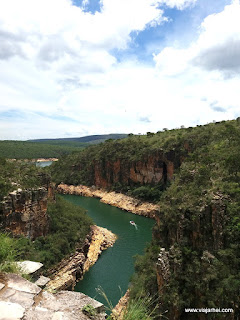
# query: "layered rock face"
[73,268]
[21,299]
[24,212]
[152,169]
[118,200]
[207,238]
[205,231]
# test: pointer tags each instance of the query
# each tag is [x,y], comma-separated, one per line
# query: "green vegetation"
[139,309]
[69,226]
[89,310]
[8,254]
[200,229]
[31,150]
[84,141]
[20,175]
[50,148]
[149,193]
[199,214]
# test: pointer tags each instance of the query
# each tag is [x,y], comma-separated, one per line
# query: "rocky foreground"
[71,269]
[115,199]
[21,299]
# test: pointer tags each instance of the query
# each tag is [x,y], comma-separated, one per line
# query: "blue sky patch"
[91,6]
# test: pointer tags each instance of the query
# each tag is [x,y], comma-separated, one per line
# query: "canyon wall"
[72,269]
[24,212]
[115,199]
[154,168]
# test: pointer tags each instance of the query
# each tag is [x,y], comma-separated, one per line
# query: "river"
[43,163]
[113,270]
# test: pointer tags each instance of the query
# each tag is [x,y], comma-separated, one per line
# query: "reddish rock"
[151,169]
[24,212]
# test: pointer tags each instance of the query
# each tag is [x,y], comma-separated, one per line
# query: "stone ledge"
[21,299]
[115,199]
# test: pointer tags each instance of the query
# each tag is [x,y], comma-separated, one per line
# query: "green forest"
[69,226]
[20,175]
[29,150]
[198,224]
[50,148]
[199,219]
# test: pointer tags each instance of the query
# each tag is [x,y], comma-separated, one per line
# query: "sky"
[71,68]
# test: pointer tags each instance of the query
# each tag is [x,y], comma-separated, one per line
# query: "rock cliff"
[24,212]
[120,309]
[118,200]
[153,168]
[73,268]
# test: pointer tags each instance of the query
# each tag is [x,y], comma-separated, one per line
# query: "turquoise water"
[115,266]
[43,163]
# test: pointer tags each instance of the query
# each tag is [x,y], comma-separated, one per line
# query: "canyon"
[24,212]
[115,199]
[73,268]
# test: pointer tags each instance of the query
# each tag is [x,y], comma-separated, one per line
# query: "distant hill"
[50,148]
[29,150]
[94,139]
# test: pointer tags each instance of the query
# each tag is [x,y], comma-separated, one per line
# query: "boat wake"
[134,224]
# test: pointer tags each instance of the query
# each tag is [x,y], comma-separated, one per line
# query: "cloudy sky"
[70,68]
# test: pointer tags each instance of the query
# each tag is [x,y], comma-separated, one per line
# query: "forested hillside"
[67,224]
[29,150]
[20,175]
[196,181]
[84,141]
[50,148]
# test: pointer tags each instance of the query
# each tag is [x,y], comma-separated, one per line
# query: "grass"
[137,309]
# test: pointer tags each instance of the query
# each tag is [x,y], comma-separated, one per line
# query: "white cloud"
[217,47]
[179,4]
[210,66]
[57,59]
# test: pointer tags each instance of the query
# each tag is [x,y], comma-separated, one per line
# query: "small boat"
[132,223]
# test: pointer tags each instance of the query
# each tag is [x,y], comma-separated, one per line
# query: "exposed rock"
[27,301]
[154,168]
[18,283]
[118,200]
[163,269]
[73,268]
[45,159]
[119,310]
[11,311]
[67,272]
[101,239]
[29,267]
[24,212]
[65,299]
[42,281]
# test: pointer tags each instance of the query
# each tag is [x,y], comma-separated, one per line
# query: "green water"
[43,163]
[115,266]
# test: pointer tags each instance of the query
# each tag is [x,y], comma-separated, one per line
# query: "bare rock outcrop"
[115,199]
[72,269]
[24,212]
[120,309]
[21,299]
